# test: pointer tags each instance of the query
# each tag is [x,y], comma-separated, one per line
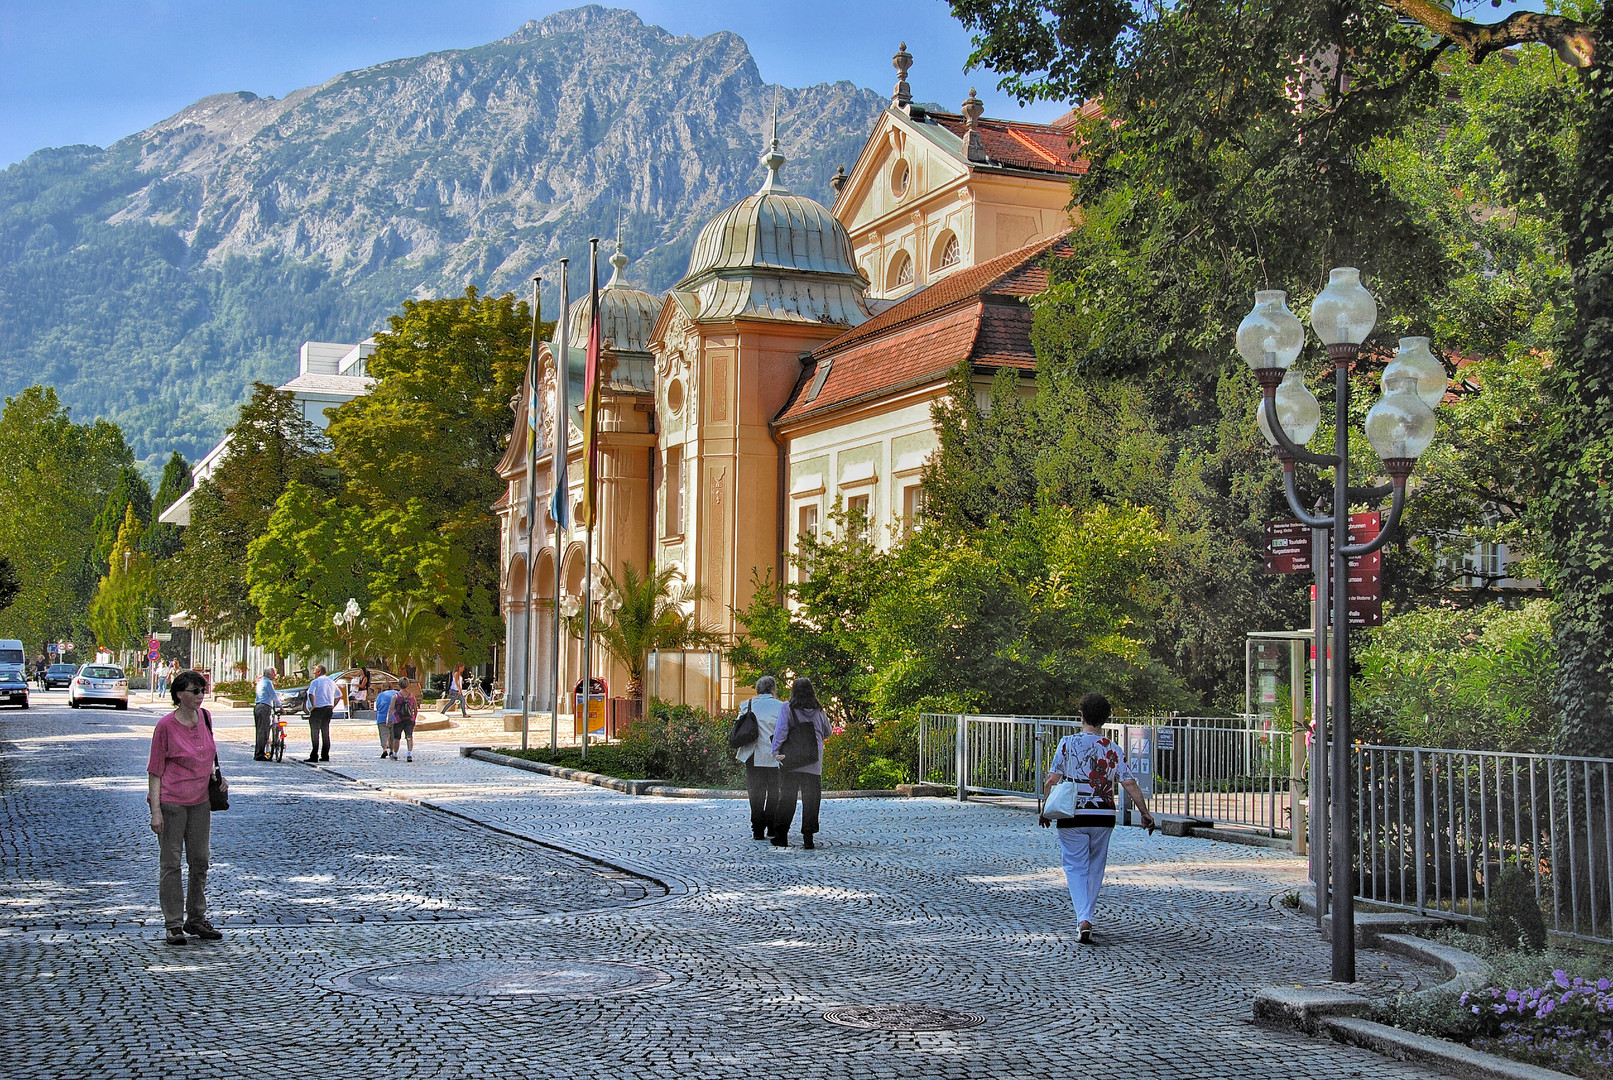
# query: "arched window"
[901,274]
[947,253]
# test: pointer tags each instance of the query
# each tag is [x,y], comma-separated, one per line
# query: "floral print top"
[1098,768]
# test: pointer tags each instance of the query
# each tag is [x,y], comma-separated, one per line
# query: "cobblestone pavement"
[719,961]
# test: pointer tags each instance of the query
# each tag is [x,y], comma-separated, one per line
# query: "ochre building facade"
[790,372]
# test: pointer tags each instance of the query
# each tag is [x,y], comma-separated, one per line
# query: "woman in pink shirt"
[181,763]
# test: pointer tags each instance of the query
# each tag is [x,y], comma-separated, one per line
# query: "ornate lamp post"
[345,619]
[1399,427]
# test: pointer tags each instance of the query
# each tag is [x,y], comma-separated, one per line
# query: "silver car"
[103,684]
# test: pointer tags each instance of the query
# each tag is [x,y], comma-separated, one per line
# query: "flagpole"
[590,452]
[531,507]
[560,505]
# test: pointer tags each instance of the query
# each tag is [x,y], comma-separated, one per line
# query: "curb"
[1337,1014]
[639,787]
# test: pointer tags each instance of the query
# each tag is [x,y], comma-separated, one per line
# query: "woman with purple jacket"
[805,780]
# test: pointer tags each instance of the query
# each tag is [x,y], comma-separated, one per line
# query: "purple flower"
[1561,978]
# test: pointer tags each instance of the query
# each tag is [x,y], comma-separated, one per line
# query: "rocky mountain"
[153,280]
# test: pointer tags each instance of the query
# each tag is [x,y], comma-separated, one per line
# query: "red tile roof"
[1018,145]
[976,314]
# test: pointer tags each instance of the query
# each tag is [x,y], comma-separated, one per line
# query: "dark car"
[14,686]
[293,701]
[59,675]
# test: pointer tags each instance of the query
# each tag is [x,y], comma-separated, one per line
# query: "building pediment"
[901,166]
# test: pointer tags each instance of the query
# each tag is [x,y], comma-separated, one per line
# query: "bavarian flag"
[590,412]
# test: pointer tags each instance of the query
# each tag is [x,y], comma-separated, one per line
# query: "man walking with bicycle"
[264,704]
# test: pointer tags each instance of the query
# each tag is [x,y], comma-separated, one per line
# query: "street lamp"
[345,619]
[1399,427]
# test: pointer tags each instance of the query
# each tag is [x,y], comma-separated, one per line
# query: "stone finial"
[973,108]
[838,181]
[903,63]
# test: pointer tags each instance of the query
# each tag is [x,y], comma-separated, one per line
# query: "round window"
[900,174]
[674,396]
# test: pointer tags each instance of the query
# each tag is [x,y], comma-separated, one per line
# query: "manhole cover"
[903,1018]
[497,979]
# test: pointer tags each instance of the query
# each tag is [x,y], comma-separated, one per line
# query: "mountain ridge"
[151,281]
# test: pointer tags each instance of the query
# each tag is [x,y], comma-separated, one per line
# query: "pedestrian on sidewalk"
[455,691]
[361,688]
[181,763]
[1097,766]
[264,704]
[321,705]
[405,708]
[383,722]
[761,767]
[805,781]
[164,671]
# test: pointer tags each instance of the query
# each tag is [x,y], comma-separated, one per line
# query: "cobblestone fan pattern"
[296,846]
[907,902]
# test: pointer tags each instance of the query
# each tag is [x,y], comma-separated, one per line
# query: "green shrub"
[234,690]
[1514,920]
[1479,678]
[881,774]
[607,758]
[682,743]
[851,758]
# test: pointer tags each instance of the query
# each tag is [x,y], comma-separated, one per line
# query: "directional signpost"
[1288,551]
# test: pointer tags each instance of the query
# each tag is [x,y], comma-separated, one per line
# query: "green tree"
[409,632]
[10,583]
[129,492]
[117,613]
[271,444]
[163,541]
[1252,147]
[302,570]
[1577,507]
[58,475]
[1023,616]
[430,434]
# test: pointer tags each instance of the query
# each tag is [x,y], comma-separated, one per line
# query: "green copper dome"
[776,255]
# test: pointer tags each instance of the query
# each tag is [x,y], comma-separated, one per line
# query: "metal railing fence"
[1229,770]
[1436,828]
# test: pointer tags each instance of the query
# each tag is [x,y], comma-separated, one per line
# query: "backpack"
[403,709]
[746,729]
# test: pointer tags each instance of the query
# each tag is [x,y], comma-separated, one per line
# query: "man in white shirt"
[761,767]
[321,704]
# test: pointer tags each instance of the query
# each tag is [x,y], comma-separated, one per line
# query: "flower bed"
[677,743]
[1566,1024]
[1553,1008]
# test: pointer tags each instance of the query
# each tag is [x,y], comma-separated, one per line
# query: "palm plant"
[408,631]
[651,612]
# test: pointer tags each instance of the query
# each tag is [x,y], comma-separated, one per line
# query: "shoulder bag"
[800,744]
[217,798]
[746,729]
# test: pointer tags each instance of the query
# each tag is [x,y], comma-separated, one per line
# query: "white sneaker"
[408,757]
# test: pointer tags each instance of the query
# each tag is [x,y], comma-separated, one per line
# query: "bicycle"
[277,739]
[477,699]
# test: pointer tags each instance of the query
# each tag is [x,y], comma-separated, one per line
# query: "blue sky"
[73,71]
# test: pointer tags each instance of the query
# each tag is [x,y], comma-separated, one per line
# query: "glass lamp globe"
[1270,336]
[1400,427]
[1417,360]
[1344,312]
[1297,410]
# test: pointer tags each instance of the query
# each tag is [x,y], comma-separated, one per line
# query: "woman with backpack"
[798,744]
[403,713]
[1096,766]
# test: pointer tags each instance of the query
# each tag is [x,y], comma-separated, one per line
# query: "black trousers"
[319,728]
[762,785]
[809,787]
[262,717]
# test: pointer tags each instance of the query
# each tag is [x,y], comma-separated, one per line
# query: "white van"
[13,673]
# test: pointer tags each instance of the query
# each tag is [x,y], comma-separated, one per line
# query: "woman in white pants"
[1097,766]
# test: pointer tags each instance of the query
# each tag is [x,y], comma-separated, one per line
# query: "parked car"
[293,701]
[13,673]
[59,675]
[104,684]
